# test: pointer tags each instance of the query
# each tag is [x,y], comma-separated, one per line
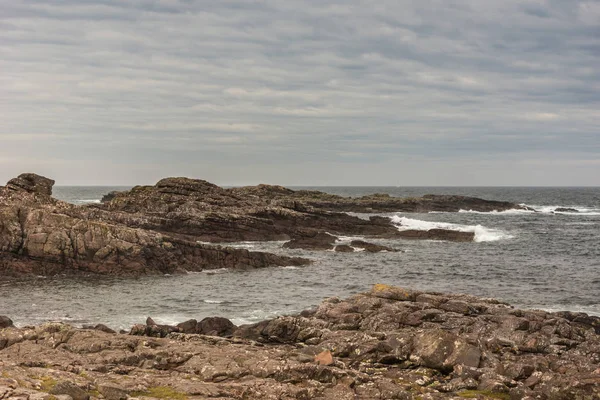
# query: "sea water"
[545,260]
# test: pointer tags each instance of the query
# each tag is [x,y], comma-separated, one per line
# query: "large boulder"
[31,183]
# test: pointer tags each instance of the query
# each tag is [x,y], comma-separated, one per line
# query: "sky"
[313,92]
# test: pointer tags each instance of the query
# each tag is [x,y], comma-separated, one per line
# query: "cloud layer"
[437,92]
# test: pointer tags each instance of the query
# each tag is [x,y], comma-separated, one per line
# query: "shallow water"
[534,260]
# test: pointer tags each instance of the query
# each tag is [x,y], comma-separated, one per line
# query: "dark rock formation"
[157,229]
[565,209]
[370,247]
[389,343]
[5,322]
[312,240]
[31,183]
[344,248]
[437,234]
[43,236]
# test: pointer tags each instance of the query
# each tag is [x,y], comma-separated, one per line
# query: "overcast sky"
[349,92]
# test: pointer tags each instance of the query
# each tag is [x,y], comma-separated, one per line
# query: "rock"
[5,322]
[109,196]
[31,183]
[188,326]
[344,248]
[443,351]
[437,234]
[70,389]
[312,240]
[163,229]
[216,326]
[370,247]
[112,392]
[324,358]
[565,209]
[390,342]
[99,327]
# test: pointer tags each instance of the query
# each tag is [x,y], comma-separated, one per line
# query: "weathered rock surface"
[43,236]
[157,229]
[384,344]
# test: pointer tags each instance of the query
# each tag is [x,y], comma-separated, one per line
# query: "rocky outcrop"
[43,236]
[388,343]
[31,183]
[373,203]
[157,229]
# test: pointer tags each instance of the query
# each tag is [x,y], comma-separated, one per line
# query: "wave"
[577,210]
[87,201]
[482,234]
[209,301]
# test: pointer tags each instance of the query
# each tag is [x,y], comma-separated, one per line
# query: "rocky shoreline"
[169,227]
[388,343]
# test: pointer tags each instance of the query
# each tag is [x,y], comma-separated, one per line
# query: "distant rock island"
[168,227]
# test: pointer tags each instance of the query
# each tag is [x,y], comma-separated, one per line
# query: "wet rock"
[312,241]
[437,234]
[370,247]
[344,248]
[565,209]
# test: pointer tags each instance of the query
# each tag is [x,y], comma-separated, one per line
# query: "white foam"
[580,210]
[88,201]
[209,301]
[289,267]
[505,212]
[215,271]
[482,234]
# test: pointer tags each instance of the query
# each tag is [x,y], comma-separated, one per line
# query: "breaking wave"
[572,210]
[482,234]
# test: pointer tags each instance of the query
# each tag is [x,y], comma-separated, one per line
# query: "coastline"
[389,342]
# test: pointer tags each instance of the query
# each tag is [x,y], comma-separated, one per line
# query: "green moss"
[48,383]
[162,392]
[475,394]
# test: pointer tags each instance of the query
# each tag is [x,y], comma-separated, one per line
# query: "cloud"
[242,92]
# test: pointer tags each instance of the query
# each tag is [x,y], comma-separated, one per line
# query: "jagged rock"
[109,196]
[389,342]
[157,229]
[31,183]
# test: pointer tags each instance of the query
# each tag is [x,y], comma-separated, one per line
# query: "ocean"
[544,260]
